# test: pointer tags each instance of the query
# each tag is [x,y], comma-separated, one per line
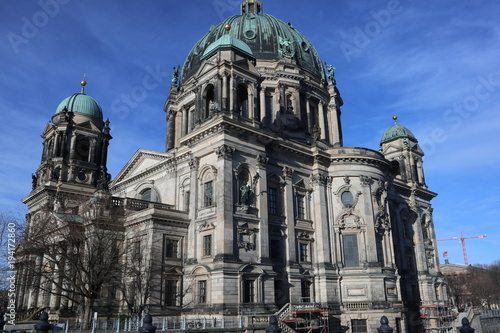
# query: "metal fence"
[168,323]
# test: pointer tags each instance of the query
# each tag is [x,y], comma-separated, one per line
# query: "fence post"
[43,325]
[466,326]
[273,325]
[147,326]
[384,326]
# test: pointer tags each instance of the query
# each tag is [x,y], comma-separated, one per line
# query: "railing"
[490,313]
[357,306]
[173,323]
[137,204]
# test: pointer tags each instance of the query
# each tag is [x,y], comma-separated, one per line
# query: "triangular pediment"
[141,161]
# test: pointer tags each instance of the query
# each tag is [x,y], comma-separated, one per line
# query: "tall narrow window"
[202,291]
[243,100]
[301,213]
[305,289]
[249,291]
[351,257]
[170,292]
[380,249]
[269,111]
[136,252]
[304,252]
[209,101]
[207,245]
[187,200]
[171,248]
[208,194]
[359,326]
[272,201]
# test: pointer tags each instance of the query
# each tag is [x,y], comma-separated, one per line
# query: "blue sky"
[433,63]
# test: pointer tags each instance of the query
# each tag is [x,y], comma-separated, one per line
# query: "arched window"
[145,194]
[396,170]
[83,149]
[208,98]
[242,100]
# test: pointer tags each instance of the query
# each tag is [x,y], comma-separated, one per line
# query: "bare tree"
[75,258]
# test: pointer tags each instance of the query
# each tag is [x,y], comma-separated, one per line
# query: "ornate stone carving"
[246,237]
[194,162]
[365,180]
[224,152]
[262,161]
[318,179]
[287,172]
[347,181]
[206,226]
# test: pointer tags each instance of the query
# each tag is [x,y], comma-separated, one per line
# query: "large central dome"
[267,37]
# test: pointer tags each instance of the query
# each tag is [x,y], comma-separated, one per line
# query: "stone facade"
[256,205]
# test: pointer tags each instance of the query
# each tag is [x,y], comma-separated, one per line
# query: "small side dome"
[227,41]
[395,132]
[81,103]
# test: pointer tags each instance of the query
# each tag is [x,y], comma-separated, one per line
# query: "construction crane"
[462,240]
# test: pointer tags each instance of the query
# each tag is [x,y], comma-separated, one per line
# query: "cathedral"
[254,208]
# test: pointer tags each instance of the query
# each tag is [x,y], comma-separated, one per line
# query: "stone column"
[194,204]
[57,144]
[251,107]
[309,121]
[322,124]
[367,202]
[290,217]
[72,146]
[185,112]
[261,202]
[170,130]
[231,94]
[262,96]
[321,239]
[223,186]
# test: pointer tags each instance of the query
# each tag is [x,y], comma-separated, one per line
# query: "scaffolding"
[436,317]
[308,319]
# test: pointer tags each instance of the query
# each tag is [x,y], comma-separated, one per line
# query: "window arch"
[147,192]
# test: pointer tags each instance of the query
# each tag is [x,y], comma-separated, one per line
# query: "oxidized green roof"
[267,37]
[397,131]
[81,103]
[226,41]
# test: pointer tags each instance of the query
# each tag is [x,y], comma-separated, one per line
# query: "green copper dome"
[395,132]
[81,103]
[267,37]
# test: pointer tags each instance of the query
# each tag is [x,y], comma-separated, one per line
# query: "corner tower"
[75,148]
